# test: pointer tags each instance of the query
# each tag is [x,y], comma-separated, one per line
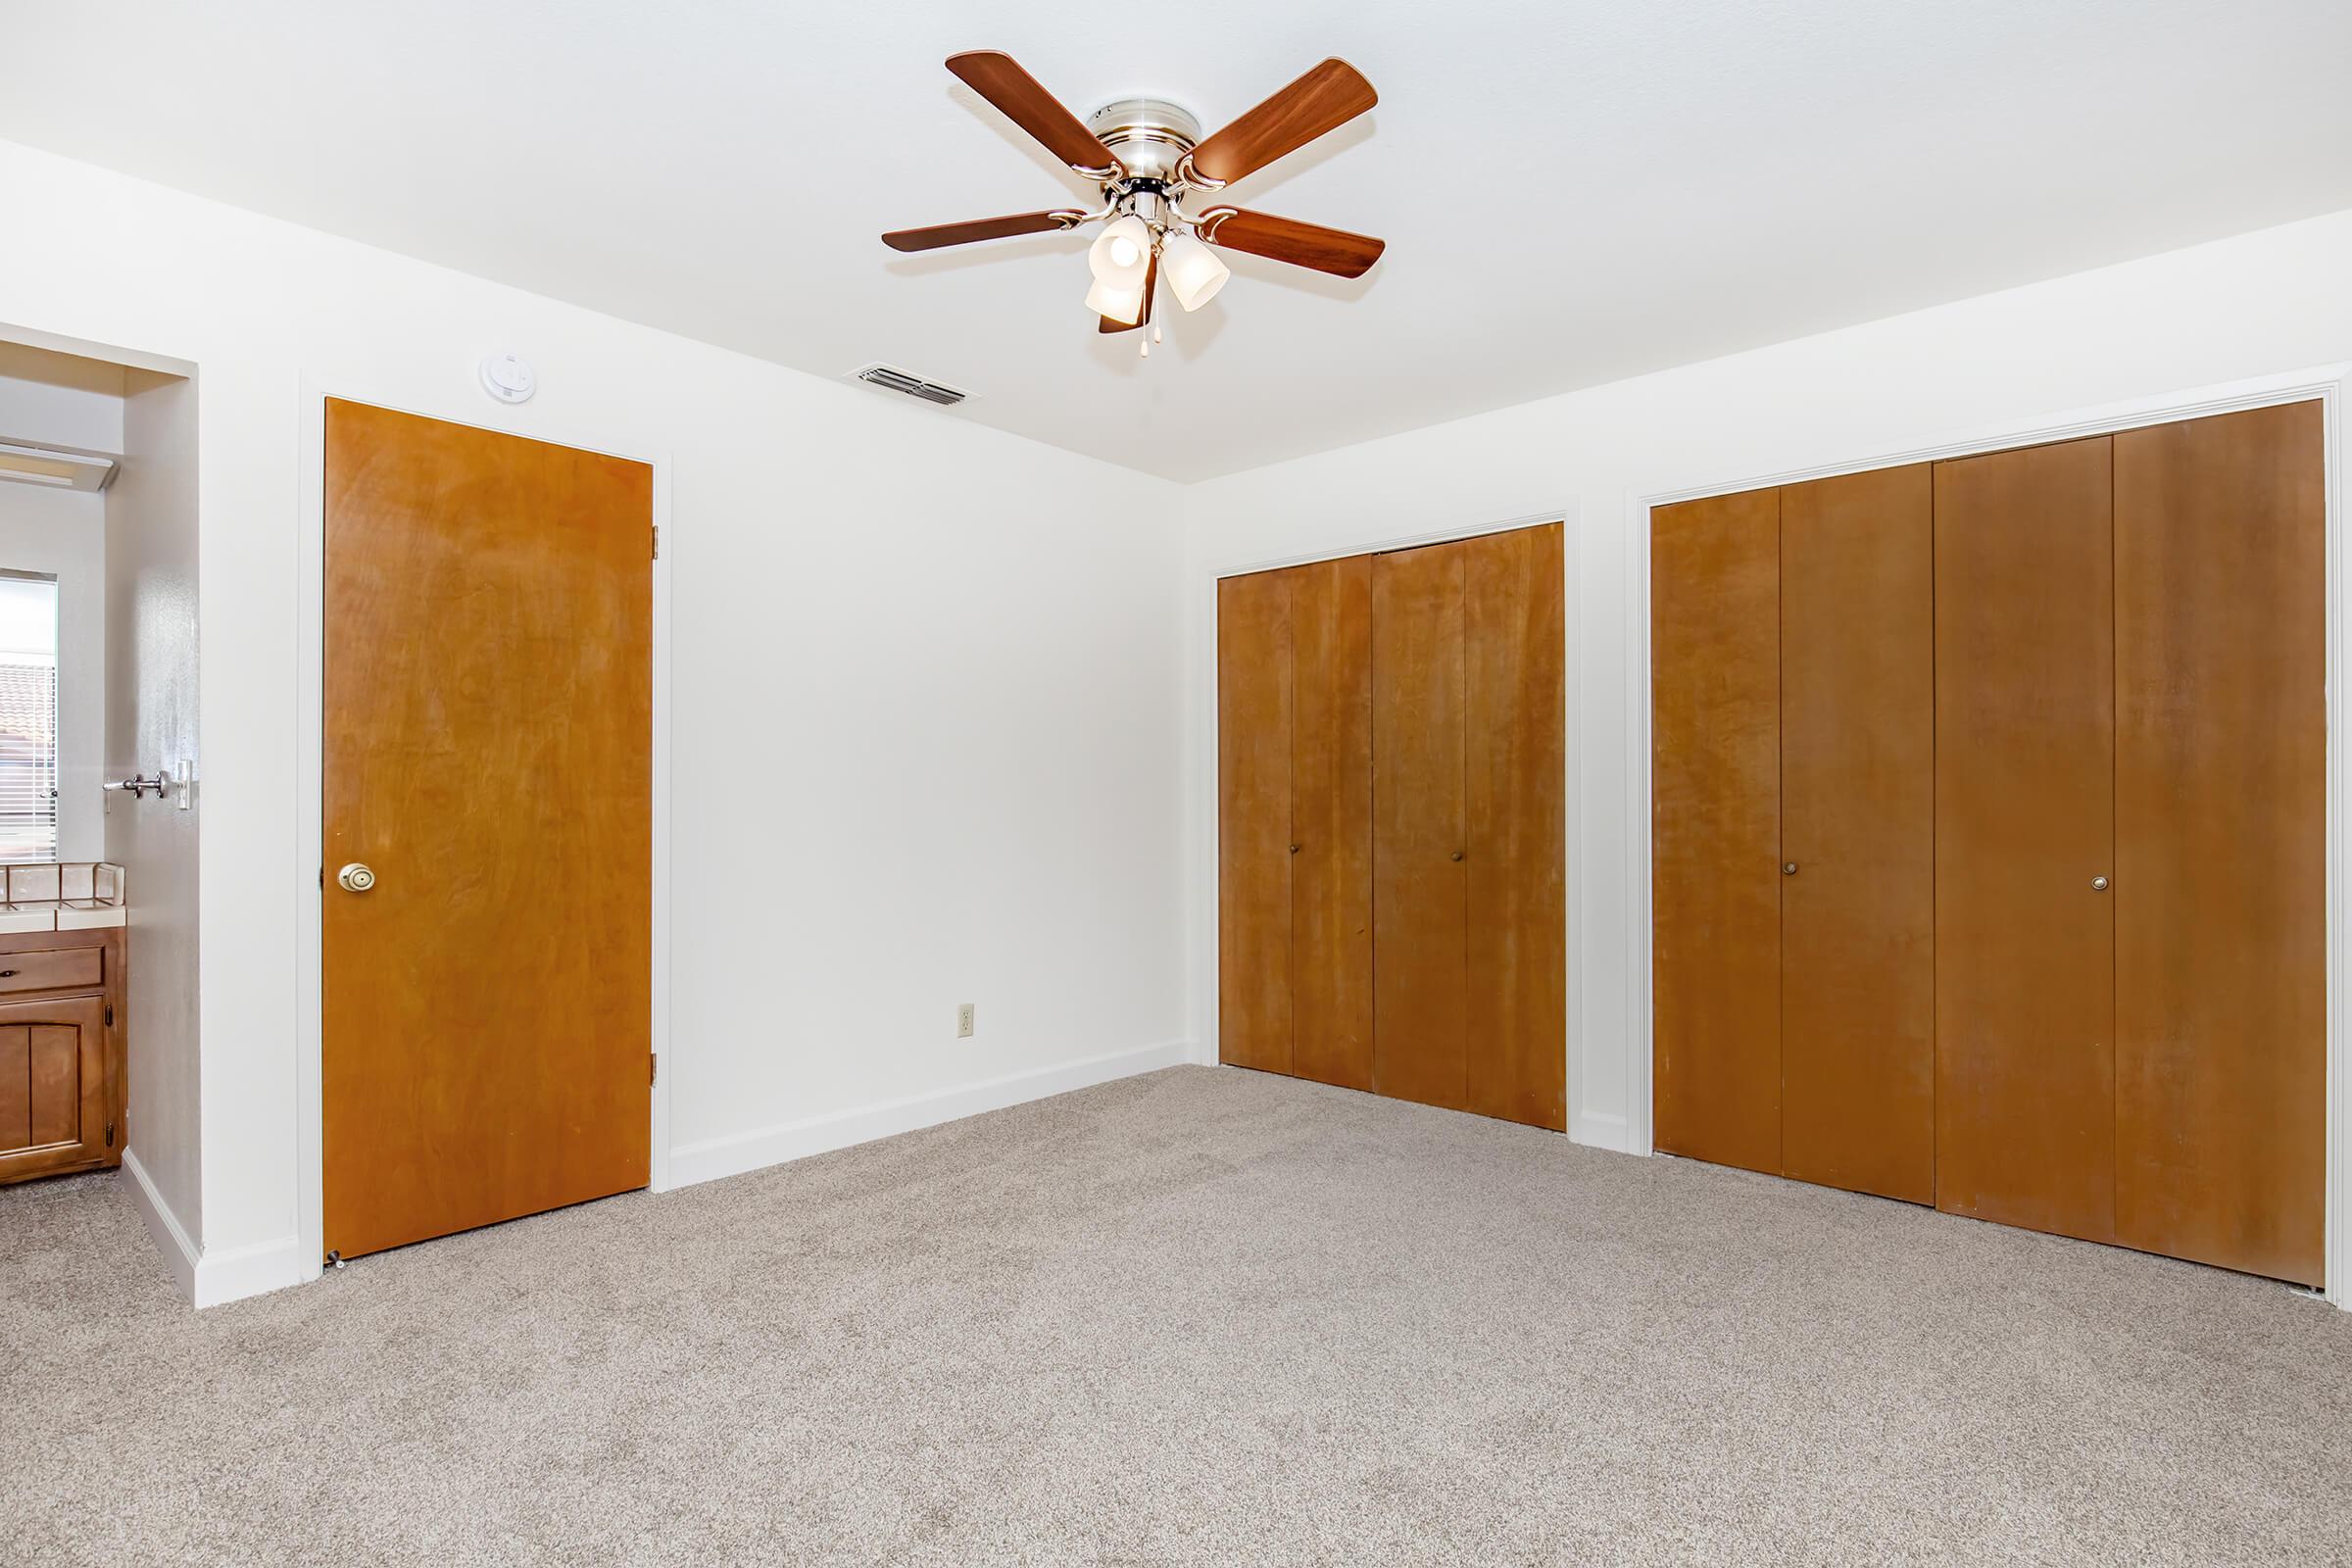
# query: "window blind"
[27,758]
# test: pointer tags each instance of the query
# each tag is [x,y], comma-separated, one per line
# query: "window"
[28,718]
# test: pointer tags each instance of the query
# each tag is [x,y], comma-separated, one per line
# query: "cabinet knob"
[2098,884]
[1788,868]
[1457,855]
[1294,849]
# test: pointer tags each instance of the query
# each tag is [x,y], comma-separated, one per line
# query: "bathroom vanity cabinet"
[63,1085]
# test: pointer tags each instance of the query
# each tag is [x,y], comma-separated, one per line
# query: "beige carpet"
[1204,1316]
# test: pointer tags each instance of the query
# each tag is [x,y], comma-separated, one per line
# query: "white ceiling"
[1572,191]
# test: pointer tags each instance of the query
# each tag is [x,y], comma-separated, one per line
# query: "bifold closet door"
[2221,775]
[1858,833]
[1420,836]
[2024,839]
[1254,1013]
[1715,831]
[1469,749]
[1330,820]
[1515,773]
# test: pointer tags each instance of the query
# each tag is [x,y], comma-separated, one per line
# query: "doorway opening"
[99,1050]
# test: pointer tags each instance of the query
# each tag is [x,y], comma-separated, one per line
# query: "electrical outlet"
[963,1020]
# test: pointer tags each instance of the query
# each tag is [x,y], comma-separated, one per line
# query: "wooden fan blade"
[939,234]
[1143,317]
[999,78]
[1323,100]
[1285,239]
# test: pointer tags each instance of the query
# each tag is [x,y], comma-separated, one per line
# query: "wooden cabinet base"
[63,1084]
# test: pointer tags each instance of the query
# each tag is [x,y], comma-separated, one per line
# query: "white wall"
[924,719]
[2276,301]
[151,689]
[59,400]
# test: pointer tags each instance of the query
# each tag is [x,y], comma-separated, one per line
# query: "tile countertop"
[62,895]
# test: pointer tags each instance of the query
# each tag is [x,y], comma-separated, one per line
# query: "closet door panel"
[1858,803]
[2024,763]
[1254,821]
[1715,834]
[1513,681]
[2221,840]
[1330,820]
[1420,917]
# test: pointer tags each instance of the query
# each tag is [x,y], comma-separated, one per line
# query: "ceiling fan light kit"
[1147,156]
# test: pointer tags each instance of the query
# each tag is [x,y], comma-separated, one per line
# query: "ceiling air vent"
[892,379]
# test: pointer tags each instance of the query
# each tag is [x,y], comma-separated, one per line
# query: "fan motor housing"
[1149,134]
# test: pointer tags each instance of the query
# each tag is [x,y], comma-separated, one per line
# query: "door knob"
[355,878]
[2098,884]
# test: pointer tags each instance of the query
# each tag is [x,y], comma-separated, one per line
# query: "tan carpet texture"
[1203,1316]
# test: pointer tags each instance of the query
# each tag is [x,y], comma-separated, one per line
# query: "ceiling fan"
[1148,156]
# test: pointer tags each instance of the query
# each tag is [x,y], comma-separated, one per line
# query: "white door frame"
[2327,384]
[1205,779]
[310,762]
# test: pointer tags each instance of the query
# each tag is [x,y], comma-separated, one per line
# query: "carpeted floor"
[1204,1316]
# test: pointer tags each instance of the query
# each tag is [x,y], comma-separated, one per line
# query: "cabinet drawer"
[52,969]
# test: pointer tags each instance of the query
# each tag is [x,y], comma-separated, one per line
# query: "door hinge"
[653,1074]
[110,1015]
[656,541]
[109,1134]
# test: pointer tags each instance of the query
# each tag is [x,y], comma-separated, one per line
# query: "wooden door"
[488,717]
[1858,825]
[1420,921]
[1715,790]
[2221,773]
[58,1101]
[1330,820]
[1516,773]
[2025,765]
[1254,1013]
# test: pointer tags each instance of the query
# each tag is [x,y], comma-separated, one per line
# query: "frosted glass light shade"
[1193,271]
[1121,252]
[1121,304]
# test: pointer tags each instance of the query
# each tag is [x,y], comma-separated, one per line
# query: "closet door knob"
[1788,868]
[2098,884]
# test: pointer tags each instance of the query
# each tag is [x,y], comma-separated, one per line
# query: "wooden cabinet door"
[1420,921]
[1858,823]
[2025,763]
[1255,1015]
[1715,833]
[56,1099]
[1514,717]
[2221,778]
[1330,820]
[488,717]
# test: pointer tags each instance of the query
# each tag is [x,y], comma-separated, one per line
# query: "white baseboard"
[170,1237]
[236,1272]
[715,1158]
[1598,1130]
[207,1279]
